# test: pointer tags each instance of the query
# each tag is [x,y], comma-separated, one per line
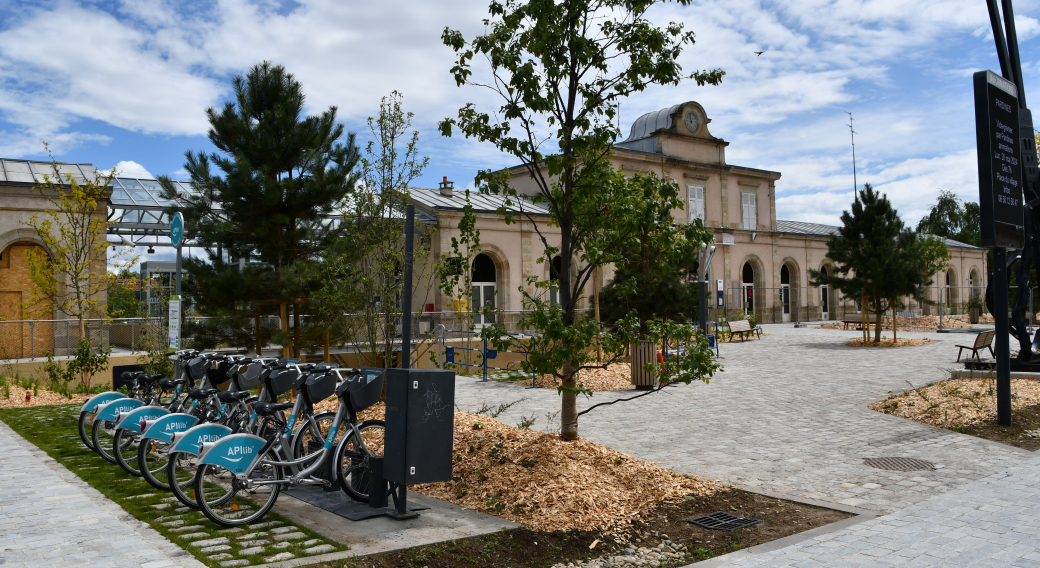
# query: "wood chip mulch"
[888,342]
[539,480]
[44,398]
[957,402]
[615,377]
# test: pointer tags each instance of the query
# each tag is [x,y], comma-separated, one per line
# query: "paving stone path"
[787,416]
[988,523]
[49,517]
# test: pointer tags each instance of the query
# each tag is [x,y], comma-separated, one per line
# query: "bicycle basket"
[366,390]
[218,377]
[319,387]
[249,377]
[197,368]
[283,380]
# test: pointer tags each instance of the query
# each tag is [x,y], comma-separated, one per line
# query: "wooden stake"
[259,342]
[595,288]
[283,311]
[325,336]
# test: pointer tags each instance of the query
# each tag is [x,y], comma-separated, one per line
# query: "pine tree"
[282,177]
[876,256]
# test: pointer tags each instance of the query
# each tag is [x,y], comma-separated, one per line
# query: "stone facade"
[738,204]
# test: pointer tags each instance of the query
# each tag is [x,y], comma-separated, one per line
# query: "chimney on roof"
[446,187]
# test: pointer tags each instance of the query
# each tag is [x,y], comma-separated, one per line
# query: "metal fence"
[34,339]
[815,304]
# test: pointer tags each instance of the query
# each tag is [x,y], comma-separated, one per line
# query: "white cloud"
[129,168]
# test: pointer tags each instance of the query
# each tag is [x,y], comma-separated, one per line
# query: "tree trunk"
[568,301]
[879,320]
[296,330]
[894,316]
[82,328]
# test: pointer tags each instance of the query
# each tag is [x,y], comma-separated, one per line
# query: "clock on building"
[691,121]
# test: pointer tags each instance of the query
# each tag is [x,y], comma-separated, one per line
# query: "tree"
[560,70]
[652,276]
[875,255]
[283,178]
[72,272]
[953,219]
[369,263]
[123,290]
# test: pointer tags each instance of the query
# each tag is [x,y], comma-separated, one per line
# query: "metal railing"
[34,339]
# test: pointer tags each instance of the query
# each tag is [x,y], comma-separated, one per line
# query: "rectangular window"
[750,213]
[696,210]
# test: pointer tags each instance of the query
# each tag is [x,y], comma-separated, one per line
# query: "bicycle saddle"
[201,393]
[151,378]
[269,408]
[228,396]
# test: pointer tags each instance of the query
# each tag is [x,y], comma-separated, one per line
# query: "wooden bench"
[852,318]
[983,340]
[743,327]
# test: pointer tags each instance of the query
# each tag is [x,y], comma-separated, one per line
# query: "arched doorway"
[554,277]
[747,288]
[976,283]
[785,293]
[950,293]
[484,288]
[825,297]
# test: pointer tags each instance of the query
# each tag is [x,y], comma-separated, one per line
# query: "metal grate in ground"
[723,521]
[899,464]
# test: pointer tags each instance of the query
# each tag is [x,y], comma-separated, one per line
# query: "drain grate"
[899,464]
[724,521]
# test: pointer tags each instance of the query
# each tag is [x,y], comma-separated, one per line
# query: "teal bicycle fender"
[191,440]
[99,399]
[235,453]
[163,428]
[133,420]
[111,410]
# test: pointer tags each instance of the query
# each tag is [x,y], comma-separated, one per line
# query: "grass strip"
[53,429]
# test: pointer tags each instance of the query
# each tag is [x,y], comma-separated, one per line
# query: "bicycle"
[239,477]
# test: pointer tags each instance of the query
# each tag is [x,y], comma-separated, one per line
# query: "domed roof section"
[651,122]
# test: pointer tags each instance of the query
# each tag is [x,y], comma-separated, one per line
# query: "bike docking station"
[420,435]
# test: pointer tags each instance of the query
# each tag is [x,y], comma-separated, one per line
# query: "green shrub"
[59,376]
[5,388]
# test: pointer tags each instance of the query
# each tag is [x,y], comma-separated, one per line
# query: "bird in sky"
[759,53]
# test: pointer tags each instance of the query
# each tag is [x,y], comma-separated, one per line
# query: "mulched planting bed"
[665,524]
[888,342]
[1024,431]
[916,323]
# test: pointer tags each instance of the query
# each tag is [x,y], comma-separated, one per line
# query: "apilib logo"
[239,450]
[176,426]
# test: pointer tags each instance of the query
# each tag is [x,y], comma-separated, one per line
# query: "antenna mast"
[852,132]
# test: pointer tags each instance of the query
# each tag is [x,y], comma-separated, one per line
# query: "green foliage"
[122,296]
[88,361]
[651,276]
[59,376]
[370,263]
[887,261]
[281,174]
[5,388]
[559,71]
[951,218]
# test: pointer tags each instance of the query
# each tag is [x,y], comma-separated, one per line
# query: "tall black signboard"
[1000,169]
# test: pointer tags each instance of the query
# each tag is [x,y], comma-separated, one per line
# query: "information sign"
[175,322]
[176,229]
[1000,167]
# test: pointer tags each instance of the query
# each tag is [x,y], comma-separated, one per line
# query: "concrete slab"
[443,521]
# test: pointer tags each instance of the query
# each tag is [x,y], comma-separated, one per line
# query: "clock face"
[691,121]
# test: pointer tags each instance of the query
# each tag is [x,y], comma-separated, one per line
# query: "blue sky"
[126,83]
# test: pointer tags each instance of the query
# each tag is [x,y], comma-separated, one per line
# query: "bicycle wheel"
[310,437]
[180,477]
[124,445]
[83,421]
[354,475]
[228,502]
[101,433]
[152,461]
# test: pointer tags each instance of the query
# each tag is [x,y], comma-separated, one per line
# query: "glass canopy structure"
[136,210]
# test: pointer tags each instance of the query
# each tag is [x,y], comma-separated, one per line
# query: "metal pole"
[133,337]
[1003,351]
[32,341]
[406,297]
[940,308]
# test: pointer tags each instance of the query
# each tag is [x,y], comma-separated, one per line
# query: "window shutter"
[750,216]
[696,196]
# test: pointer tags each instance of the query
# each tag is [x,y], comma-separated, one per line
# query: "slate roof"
[432,199]
[818,230]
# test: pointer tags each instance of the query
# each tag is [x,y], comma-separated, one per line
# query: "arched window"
[785,292]
[825,296]
[484,287]
[747,288]
[554,276]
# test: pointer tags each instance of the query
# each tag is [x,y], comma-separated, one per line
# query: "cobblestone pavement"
[787,416]
[49,517]
[987,523]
